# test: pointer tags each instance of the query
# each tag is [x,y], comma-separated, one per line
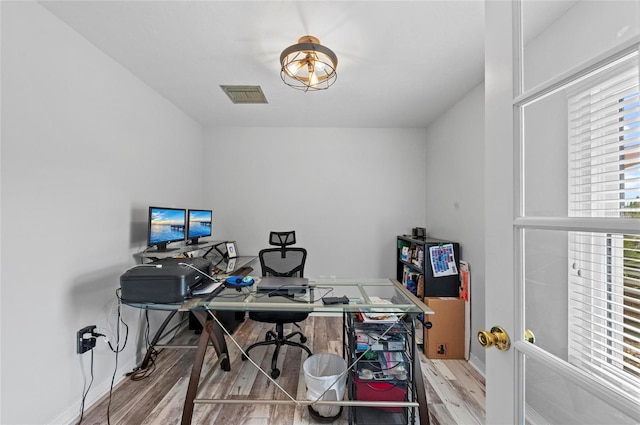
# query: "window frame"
[597,270]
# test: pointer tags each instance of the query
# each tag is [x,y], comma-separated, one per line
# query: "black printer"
[168,280]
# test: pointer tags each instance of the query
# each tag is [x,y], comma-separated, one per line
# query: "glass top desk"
[364,296]
[221,268]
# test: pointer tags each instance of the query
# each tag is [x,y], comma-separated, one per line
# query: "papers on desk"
[389,318]
[380,315]
[207,289]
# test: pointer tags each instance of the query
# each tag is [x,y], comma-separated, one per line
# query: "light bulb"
[293,67]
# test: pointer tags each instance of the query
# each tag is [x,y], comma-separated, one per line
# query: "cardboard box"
[445,339]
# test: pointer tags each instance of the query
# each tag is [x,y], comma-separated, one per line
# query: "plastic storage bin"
[325,373]
[366,390]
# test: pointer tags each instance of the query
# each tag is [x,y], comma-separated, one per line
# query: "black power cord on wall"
[85,391]
[117,349]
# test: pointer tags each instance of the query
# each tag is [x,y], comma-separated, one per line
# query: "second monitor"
[198,225]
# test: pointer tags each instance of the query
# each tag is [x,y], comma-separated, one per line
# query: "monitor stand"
[162,247]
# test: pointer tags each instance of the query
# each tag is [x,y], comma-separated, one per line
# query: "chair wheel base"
[275,373]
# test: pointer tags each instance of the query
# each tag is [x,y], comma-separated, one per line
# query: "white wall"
[455,193]
[86,147]
[346,192]
[585,30]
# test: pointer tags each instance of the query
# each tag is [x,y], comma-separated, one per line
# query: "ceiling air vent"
[245,94]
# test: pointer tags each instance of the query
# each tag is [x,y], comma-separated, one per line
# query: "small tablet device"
[335,300]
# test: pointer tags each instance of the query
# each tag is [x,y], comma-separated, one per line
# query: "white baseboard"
[477,364]
[71,415]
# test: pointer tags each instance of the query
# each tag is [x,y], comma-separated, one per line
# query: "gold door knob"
[497,337]
[529,336]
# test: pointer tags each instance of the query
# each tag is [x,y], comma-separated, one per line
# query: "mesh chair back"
[282,239]
[287,262]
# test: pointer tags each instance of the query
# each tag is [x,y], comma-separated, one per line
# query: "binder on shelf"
[420,288]
[411,280]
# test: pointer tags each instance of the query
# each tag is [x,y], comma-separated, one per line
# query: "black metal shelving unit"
[415,272]
[387,351]
[413,262]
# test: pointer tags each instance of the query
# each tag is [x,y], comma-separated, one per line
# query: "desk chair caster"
[278,339]
[275,373]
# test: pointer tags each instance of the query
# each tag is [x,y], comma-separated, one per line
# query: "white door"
[562,134]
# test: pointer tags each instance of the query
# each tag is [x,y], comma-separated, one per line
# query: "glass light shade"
[308,65]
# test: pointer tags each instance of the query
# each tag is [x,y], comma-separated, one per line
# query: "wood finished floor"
[455,391]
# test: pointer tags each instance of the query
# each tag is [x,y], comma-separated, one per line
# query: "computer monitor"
[198,225]
[166,225]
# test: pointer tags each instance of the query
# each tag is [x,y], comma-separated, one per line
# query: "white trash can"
[325,372]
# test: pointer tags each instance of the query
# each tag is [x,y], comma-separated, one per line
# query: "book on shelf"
[405,255]
[411,280]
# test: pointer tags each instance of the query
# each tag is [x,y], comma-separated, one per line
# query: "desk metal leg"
[194,380]
[211,331]
[216,336]
[423,408]
[159,333]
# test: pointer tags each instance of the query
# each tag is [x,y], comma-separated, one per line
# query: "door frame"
[502,393]
[503,225]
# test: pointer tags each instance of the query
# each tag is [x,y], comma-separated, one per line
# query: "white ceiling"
[401,64]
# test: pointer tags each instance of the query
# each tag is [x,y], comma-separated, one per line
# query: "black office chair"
[282,261]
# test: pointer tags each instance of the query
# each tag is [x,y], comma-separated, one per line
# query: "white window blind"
[604,273]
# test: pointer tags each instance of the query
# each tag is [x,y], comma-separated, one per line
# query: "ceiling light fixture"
[308,65]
